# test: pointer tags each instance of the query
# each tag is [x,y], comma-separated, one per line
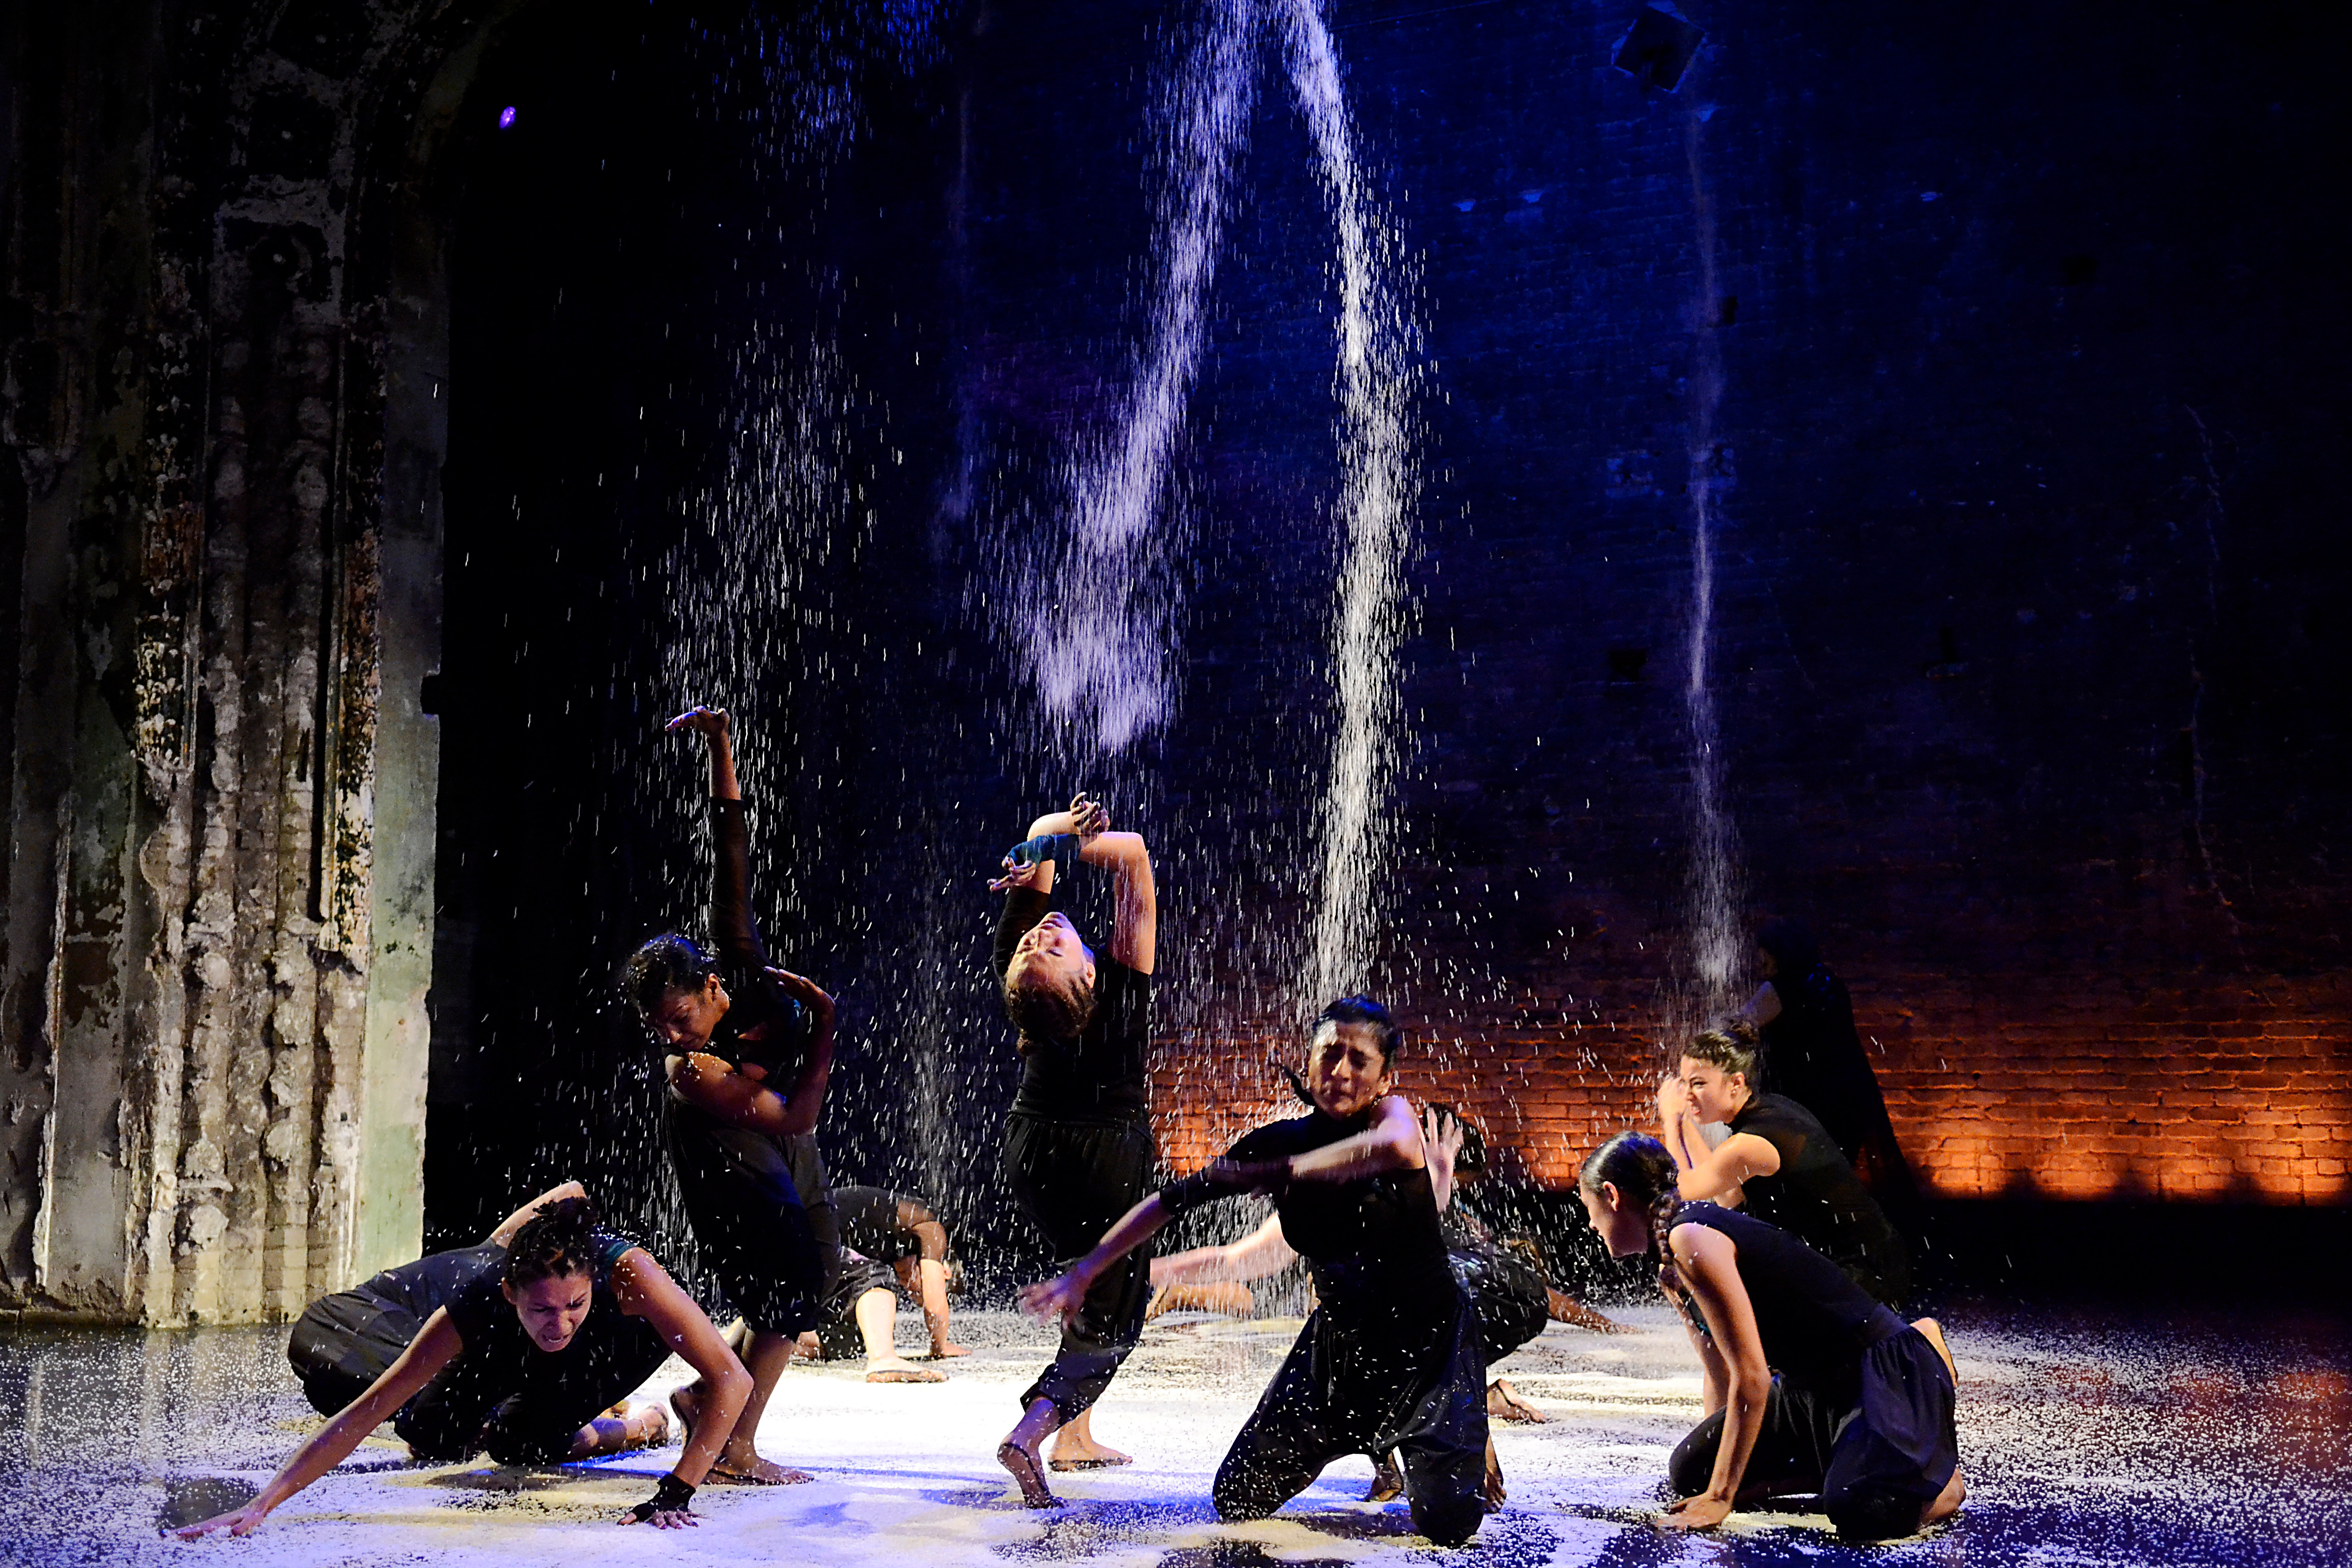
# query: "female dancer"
[1078,1143]
[901,1232]
[521,1362]
[1860,1412]
[1778,1163]
[1389,1359]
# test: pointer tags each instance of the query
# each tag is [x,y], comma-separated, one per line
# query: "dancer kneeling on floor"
[1389,1359]
[521,1363]
[1810,1385]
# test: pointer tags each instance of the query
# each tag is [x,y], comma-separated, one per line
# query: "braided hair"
[1642,1170]
[557,1241]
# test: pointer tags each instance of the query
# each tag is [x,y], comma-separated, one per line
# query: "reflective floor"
[2087,1437]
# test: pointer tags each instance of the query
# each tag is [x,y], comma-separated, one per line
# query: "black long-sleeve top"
[1102,1075]
[762,1026]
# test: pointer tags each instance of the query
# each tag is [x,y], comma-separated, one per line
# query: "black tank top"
[484,1317]
[1815,1193]
[1814,1321]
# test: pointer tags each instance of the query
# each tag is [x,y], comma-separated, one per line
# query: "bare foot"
[1947,1501]
[895,1369]
[1503,1401]
[1023,1465]
[687,1401]
[1072,1455]
[946,1350]
[1496,1495]
[1388,1482]
[757,1473]
[647,1426]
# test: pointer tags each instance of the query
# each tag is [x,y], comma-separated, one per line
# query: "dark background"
[2030,644]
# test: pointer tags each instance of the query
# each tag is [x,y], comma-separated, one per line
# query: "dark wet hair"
[1048,1007]
[557,1241]
[668,962]
[1792,945]
[1386,1036]
[1642,1170]
[1730,1045]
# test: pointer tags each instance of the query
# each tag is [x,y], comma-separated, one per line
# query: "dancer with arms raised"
[1389,1359]
[1078,1143]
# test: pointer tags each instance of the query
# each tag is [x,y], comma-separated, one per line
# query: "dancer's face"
[1624,1229]
[552,1310]
[1715,1095]
[1052,950]
[684,1019]
[1345,1069]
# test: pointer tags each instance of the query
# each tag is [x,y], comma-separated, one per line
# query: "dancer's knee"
[1872,1513]
[1692,1469]
[1449,1521]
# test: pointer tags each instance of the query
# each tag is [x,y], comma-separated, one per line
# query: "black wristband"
[670,1496]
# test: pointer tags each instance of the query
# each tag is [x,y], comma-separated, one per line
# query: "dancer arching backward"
[1078,1143]
[343,1342]
[521,1363]
[1810,1387]
[1389,1359]
[1779,1163]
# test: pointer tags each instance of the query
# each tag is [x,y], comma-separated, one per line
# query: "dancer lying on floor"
[1078,1143]
[1810,1387]
[522,1361]
[1389,1358]
[901,1233]
[1778,1163]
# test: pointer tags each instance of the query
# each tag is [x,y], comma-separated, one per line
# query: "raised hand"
[1011,875]
[1441,1134]
[1088,816]
[807,992]
[1674,1100]
[702,720]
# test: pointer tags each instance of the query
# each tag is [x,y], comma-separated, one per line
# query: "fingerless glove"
[670,1496]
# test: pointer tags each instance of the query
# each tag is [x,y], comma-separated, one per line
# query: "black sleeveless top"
[1814,1321]
[1374,1243]
[1816,1196]
[485,1320]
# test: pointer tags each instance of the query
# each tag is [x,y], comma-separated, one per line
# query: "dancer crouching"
[523,1360]
[1078,1143]
[1861,1410]
[1389,1359]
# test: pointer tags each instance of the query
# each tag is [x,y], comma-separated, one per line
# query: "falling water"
[1106,655]
[1375,380]
[1714,874]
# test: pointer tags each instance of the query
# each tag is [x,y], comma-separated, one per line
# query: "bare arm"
[1441,1137]
[807,1102]
[435,1347]
[708,1083]
[1718,1173]
[1762,1008]
[713,725]
[643,1288]
[504,1235]
[1392,1143]
[1709,1264]
[1135,924]
[1264,1251]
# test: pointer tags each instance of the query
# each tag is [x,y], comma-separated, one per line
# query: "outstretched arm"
[1135,923]
[1392,1143]
[435,1347]
[504,1235]
[732,927]
[1264,1251]
[1061,1296]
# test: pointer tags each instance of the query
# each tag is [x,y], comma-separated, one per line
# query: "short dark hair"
[668,962]
[557,1241]
[1386,1036]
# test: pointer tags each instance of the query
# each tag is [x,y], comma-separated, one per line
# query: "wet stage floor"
[2087,1437]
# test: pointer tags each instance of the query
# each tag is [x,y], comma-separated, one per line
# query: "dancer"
[901,1233]
[1389,1358]
[343,1342]
[1778,1163]
[522,1361]
[1810,1387]
[1812,1054]
[748,1053]
[1078,1143]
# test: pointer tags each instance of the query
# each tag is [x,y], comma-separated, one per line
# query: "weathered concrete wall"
[222,403]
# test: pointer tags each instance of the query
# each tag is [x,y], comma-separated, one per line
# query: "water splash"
[1104,658]
[1713,879]
[1377,375]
